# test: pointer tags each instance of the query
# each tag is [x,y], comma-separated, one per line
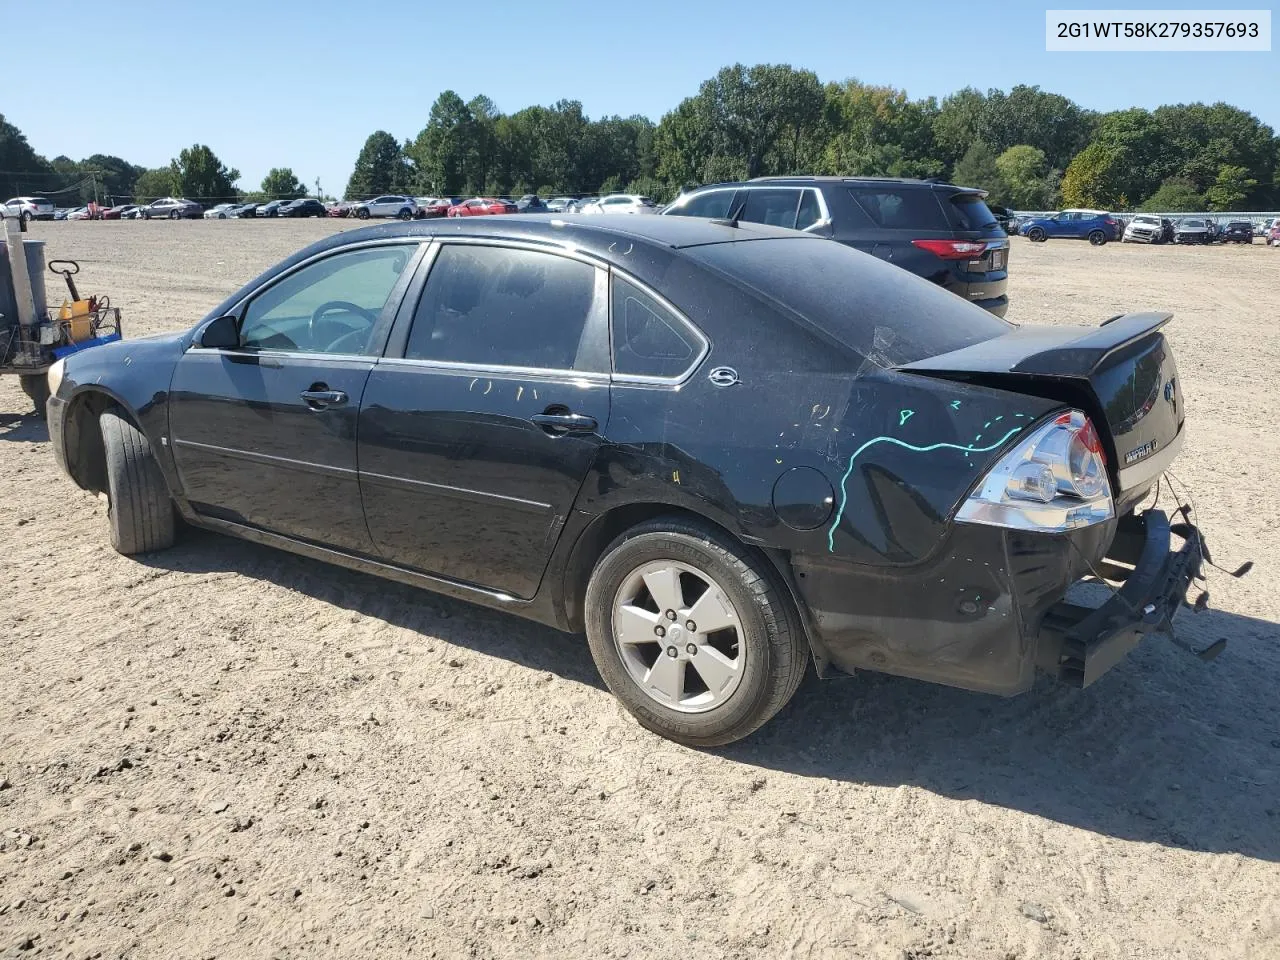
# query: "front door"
[476,435]
[265,434]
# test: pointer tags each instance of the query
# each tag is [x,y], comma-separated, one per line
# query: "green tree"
[978,168]
[22,170]
[1093,178]
[280,183]
[1175,195]
[154,184]
[199,174]
[441,150]
[1028,181]
[380,168]
[876,131]
[1231,188]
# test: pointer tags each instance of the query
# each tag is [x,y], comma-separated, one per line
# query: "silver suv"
[28,208]
[391,205]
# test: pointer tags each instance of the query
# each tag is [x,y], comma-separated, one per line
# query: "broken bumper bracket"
[1079,643]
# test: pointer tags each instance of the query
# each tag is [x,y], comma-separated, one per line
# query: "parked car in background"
[532,203]
[1273,233]
[1238,231]
[1004,216]
[340,208]
[78,213]
[1096,226]
[389,205]
[119,211]
[59,214]
[219,212]
[944,233]
[439,207]
[29,208]
[481,207]
[621,203]
[303,207]
[1144,228]
[1214,228]
[171,208]
[952,478]
[560,204]
[270,209]
[1192,230]
[246,211]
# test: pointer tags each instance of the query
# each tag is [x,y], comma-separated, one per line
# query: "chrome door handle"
[319,399]
[565,422]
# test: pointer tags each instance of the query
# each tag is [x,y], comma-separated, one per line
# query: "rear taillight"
[953,249]
[1054,480]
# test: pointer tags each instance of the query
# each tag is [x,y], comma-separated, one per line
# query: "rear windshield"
[902,208]
[972,212]
[885,314]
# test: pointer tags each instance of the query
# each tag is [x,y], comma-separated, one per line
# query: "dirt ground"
[227,751]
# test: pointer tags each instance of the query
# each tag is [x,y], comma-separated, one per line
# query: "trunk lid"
[1122,374]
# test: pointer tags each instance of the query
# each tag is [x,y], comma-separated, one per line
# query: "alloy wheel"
[677,633]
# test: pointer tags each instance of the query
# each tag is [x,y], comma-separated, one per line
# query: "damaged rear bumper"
[1078,644]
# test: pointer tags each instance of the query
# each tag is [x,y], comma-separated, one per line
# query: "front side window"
[330,306]
[714,204]
[648,339]
[503,307]
[777,208]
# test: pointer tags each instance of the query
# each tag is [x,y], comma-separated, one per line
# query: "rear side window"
[498,306]
[648,339]
[901,208]
[777,208]
[810,211]
[972,212]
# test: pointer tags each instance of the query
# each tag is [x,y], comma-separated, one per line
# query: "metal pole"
[18,267]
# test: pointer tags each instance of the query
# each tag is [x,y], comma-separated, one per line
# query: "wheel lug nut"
[691,626]
[672,652]
[671,615]
[691,649]
[660,631]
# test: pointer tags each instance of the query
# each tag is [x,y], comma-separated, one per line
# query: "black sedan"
[304,207]
[718,449]
[1238,231]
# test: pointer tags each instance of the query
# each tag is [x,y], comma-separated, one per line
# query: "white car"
[390,205]
[621,203]
[1143,229]
[28,208]
[220,212]
[79,213]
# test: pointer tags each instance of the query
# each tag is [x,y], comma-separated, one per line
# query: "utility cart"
[33,337]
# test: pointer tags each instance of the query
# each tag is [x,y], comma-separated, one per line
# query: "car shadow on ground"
[24,428]
[1163,749]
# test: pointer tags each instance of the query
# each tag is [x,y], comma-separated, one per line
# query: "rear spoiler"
[1046,351]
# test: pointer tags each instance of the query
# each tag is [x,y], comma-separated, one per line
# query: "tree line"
[1031,149]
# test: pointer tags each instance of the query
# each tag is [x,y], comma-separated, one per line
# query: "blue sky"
[301,84]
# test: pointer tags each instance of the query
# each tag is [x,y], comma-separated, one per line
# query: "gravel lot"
[226,751]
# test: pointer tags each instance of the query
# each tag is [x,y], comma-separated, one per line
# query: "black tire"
[362,213]
[140,512]
[1037,235]
[36,386]
[1097,238]
[26,216]
[776,653]
[405,214]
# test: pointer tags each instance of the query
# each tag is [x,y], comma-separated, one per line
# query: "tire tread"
[140,515]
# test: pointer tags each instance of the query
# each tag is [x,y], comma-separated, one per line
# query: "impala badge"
[1137,453]
[723,376]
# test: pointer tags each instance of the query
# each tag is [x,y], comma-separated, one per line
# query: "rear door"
[265,434]
[478,427]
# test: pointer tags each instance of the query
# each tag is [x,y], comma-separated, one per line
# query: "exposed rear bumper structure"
[1079,644]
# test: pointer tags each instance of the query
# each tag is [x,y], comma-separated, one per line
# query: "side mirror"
[221,334]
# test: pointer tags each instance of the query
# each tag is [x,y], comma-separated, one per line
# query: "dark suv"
[938,231]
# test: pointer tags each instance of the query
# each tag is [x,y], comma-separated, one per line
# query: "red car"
[1273,233]
[481,206]
[115,213]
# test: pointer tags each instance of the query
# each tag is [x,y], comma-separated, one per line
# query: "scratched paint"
[844,493]
[904,416]
[987,426]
